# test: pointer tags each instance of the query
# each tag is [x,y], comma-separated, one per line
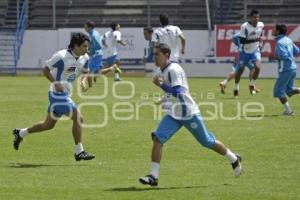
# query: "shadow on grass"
[28,165]
[261,115]
[137,189]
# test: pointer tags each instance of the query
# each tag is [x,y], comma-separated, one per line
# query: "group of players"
[165,45]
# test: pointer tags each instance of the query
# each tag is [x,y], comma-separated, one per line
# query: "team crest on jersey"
[72,68]
[194,125]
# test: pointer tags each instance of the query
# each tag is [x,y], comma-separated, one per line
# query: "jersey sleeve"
[155,37]
[176,77]
[243,31]
[55,62]
[178,31]
[85,68]
[295,50]
[117,35]
[281,52]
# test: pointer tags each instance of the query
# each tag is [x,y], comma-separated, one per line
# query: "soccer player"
[222,84]
[148,31]
[95,50]
[111,39]
[181,111]
[250,37]
[285,51]
[170,35]
[61,70]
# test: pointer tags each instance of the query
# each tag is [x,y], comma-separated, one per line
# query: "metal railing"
[20,28]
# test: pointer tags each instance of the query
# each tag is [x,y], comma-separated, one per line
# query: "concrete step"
[6,53]
[7,42]
[7,37]
[7,48]
[5,63]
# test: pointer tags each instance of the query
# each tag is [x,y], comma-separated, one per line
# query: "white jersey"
[111,39]
[249,32]
[182,106]
[64,67]
[170,36]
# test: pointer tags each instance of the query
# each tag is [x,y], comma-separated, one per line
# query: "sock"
[154,169]
[224,82]
[236,86]
[117,76]
[287,107]
[78,148]
[231,156]
[252,82]
[23,132]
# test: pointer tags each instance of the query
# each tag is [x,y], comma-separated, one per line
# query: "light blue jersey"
[285,52]
[95,43]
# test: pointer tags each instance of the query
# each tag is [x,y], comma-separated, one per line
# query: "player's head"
[148,33]
[164,20]
[79,43]
[89,25]
[280,29]
[161,54]
[115,26]
[254,17]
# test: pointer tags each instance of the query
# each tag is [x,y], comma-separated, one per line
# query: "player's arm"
[245,41]
[123,43]
[48,75]
[281,53]
[182,40]
[296,50]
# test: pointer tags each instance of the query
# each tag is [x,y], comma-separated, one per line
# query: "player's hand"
[58,87]
[157,80]
[259,39]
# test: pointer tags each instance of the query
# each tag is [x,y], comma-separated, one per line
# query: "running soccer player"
[170,35]
[230,76]
[148,31]
[61,70]
[111,39]
[250,37]
[285,84]
[95,50]
[181,110]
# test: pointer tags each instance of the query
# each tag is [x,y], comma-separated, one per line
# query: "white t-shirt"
[169,35]
[183,106]
[64,67]
[249,32]
[111,39]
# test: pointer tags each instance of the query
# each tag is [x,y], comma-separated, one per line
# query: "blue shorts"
[60,104]
[284,84]
[247,59]
[95,63]
[169,126]
[111,60]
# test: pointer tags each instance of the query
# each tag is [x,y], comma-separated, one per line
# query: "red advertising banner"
[225,48]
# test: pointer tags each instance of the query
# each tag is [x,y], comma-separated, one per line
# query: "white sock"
[224,82]
[231,156]
[78,148]
[117,76]
[252,82]
[237,86]
[154,169]
[23,132]
[287,107]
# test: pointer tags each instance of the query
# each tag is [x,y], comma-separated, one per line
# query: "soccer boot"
[148,180]
[84,156]
[252,89]
[18,139]
[236,93]
[237,166]
[222,87]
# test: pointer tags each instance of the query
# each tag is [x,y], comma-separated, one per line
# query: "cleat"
[288,113]
[18,139]
[222,87]
[257,90]
[252,89]
[117,69]
[95,79]
[236,93]
[148,180]
[117,79]
[237,166]
[84,156]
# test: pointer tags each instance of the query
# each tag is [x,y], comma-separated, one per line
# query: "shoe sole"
[146,183]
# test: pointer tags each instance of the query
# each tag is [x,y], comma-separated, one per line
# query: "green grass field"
[44,167]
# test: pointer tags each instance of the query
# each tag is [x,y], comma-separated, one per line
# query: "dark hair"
[164,48]
[90,24]
[148,29]
[78,38]
[114,25]
[164,20]
[253,12]
[281,28]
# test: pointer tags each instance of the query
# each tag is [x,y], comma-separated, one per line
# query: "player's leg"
[250,66]
[256,58]
[166,129]
[80,153]
[19,134]
[117,69]
[237,77]
[223,83]
[291,89]
[197,127]
[279,91]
